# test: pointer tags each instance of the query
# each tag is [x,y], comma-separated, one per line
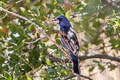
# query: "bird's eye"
[60,19]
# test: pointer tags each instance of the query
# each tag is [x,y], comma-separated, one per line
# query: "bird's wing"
[70,41]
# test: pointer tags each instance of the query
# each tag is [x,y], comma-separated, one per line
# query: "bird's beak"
[55,19]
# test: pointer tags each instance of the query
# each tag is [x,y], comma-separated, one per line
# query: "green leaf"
[67,14]
[2,4]
[111,66]
[8,76]
[28,1]
[50,6]
[101,67]
[52,71]
[17,71]
[48,61]
[1,60]
[31,28]
[28,77]
[96,61]
[14,59]
[58,41]
[91,69]
[53,46]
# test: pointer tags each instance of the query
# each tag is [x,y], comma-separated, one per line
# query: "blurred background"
[26,54]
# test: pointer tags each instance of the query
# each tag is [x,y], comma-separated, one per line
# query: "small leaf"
[28,1]
[2,60]
[8,76]
[50,6]
[53,47]
[58,41]
[111,66]
[51,71]
[95,61]
[28,78]
[101,67]
[48,62]
[91,69]
[67,14]
[117,45]
[31,28]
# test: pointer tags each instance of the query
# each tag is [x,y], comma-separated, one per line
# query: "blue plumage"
[69,40]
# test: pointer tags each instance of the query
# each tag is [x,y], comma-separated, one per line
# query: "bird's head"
[62,20]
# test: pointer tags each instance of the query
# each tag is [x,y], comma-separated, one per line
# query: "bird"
[69,40]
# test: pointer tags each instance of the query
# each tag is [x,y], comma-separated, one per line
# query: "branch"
[72,76]
[102,56]
[81,58]
[37,28]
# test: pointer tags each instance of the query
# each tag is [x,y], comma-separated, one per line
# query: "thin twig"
[35,70]
[33,41]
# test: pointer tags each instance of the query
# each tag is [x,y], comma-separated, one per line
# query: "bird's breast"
[62,33]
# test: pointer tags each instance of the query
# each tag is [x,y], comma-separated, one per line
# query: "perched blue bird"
[69,40]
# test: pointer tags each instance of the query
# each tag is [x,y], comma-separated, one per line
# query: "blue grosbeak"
[69,40]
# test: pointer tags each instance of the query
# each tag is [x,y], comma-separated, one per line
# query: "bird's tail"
[75,67]
[75,63]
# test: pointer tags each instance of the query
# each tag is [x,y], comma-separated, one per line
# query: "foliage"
[20,59]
